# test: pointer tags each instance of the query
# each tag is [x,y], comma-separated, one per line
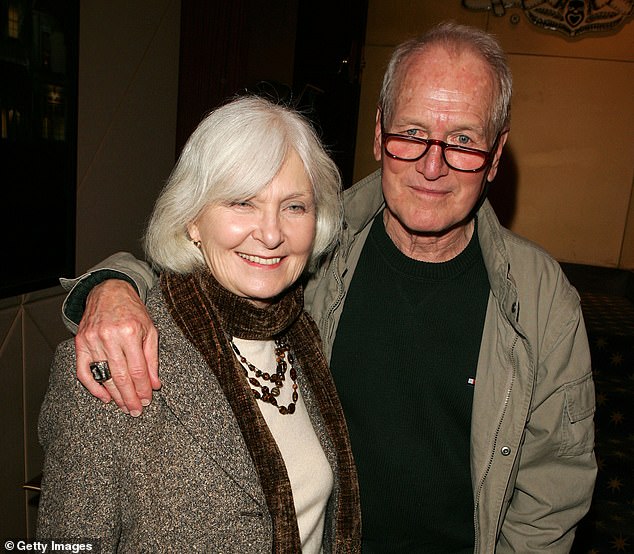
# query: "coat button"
[505,450]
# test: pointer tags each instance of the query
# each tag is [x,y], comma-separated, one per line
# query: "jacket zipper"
[495,441]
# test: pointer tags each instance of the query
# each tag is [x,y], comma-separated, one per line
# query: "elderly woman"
[244,448]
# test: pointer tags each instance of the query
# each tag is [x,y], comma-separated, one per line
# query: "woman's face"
[257,247]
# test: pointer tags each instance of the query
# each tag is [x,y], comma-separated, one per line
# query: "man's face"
[442,96]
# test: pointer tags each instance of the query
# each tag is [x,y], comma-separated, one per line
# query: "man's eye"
[463,140]
[411,132]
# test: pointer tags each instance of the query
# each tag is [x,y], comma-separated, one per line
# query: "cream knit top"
[308,469]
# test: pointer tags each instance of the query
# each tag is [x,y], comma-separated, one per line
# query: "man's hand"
[116,327]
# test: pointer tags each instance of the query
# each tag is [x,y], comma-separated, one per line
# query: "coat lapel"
[193,394]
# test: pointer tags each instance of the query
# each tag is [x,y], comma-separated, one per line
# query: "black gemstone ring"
[100,371]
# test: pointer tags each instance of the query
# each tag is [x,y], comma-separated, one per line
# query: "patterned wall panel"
[43,330]
[12,507]
[30,329]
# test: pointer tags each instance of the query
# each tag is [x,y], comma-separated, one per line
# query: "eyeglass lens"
[406,149]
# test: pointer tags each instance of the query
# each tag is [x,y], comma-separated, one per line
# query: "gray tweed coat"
[179,478]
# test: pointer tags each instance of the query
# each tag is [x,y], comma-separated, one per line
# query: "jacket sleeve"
[557,467]
[121,265]
[79,499]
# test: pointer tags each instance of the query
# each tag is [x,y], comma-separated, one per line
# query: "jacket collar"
[498,265]
[363,202]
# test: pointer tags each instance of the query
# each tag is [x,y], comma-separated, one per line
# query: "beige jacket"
[532,436]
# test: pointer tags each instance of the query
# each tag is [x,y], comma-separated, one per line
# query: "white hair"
[453,36]
[233,154]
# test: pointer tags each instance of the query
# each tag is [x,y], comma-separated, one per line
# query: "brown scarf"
[205,311]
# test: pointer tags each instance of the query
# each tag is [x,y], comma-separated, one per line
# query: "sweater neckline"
[420,270]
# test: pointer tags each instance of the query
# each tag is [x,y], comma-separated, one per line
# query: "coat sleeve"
[121,265]
[79,499]
[557,468]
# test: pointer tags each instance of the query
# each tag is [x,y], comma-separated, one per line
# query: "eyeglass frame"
[488,155]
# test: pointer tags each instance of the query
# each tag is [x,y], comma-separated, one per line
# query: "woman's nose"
[269,230]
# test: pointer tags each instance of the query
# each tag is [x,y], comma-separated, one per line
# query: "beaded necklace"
[266,394]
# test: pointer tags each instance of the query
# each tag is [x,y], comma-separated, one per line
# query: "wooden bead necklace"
[266,394]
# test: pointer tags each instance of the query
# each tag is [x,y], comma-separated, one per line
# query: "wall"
[128,79]
[567,180]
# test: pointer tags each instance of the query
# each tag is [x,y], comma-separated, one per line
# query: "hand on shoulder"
[117,328]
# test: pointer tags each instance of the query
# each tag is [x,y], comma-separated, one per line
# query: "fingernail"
[145,402]
[135,413]
[125,410]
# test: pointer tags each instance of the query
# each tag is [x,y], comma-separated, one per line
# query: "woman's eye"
[240,204]
[297,208]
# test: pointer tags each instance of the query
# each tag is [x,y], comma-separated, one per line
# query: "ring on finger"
[100,371]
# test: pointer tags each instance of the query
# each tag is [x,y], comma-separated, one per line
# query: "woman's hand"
[116,327]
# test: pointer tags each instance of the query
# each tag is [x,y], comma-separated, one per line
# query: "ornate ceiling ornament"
[571,17]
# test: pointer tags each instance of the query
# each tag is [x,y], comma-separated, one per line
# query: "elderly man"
[458,348]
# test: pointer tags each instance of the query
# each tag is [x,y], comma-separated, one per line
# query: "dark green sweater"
[404,361]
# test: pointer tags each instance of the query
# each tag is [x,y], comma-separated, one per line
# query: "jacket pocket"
[577,423]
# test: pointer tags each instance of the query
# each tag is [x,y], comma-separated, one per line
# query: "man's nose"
[432,165]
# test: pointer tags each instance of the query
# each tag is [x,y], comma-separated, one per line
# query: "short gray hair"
[233,154]
[451,35]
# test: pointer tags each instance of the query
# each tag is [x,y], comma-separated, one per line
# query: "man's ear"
[377,147]
[498,154]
